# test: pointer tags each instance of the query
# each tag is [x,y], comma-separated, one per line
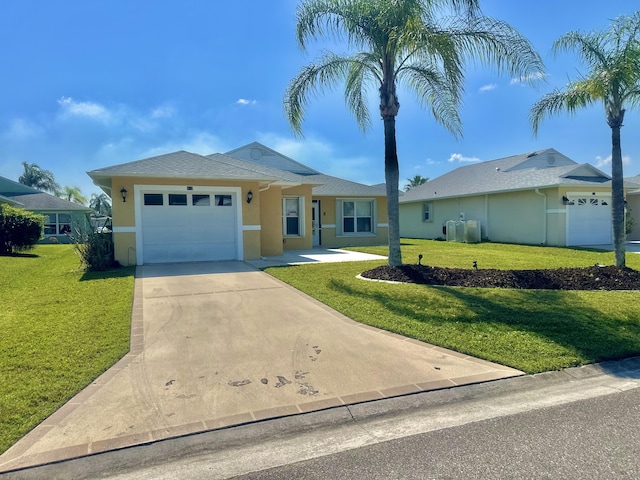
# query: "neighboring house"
[633,206]
[60,216]
[539,198]
[246,204]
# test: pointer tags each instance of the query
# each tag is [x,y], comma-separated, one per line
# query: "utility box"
[463,232]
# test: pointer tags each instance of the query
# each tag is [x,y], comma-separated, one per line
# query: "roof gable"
[257,153]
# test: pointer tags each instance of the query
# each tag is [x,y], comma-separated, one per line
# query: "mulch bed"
[588,278]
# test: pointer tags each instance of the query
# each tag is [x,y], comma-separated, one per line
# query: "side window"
[291,213]
[426,212]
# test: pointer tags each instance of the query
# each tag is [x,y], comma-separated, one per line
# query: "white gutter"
[544,216]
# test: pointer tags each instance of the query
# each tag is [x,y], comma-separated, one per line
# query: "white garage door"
[188,227]
[589,221]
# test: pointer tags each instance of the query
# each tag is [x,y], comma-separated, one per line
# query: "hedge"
[19,229]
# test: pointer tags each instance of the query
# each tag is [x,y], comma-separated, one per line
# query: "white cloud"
[528,78]
[21,129]
[458,157]
[488,88]
[602,162]
[163,112]
[200,142]
[428,161]
[83,109]
[244,101]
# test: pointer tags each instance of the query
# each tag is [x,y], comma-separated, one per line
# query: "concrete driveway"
[222,343]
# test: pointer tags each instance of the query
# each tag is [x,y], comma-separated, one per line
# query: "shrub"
[19,229]
[94,246]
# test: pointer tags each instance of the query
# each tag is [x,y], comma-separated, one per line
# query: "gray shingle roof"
[264,171]
[540,169]
[257,153]
[44,201]
[334,186]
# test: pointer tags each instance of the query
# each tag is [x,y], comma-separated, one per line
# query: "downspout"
[486,219]
[544,216]
[265,189]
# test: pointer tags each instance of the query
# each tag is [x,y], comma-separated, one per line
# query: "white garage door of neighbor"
[589,221]
[188,227]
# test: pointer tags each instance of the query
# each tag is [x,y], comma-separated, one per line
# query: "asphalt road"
[597,438]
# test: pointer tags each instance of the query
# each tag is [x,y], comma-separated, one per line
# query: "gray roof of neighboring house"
[44,201]
[31,199]
[544,168]
[257,153]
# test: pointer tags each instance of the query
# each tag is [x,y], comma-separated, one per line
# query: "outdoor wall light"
[249,196]
[123,192]
[565,200]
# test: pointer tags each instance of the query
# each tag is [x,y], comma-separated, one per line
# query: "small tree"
[414,182]
[38,178]
[94,246]
[19,229]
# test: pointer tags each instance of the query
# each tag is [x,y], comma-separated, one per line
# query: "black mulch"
[589,278]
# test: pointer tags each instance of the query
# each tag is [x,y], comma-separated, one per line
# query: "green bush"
[19,229]
[93,245]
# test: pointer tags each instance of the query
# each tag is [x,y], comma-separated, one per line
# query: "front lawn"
[61,328]
[531,330]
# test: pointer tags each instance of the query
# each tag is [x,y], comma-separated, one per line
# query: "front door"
[315,222]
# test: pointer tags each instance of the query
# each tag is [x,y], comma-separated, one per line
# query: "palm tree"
[405,42]
[414,182]
[73,194]
[38,178]
[613,58]
[100,203]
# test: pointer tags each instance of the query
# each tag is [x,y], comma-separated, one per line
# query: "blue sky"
[90,84]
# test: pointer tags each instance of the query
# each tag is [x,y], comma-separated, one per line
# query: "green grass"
[60,328]
[531,330]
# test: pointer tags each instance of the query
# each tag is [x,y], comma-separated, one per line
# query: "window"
[426,212]
[57,223]
[223,200]
[153,199]
[357,216]
[292,217]
[201,200]
[179,199]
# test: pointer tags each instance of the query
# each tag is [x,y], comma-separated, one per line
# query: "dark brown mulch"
[588,278]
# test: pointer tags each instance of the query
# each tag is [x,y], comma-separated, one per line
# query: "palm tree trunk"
[392,179]
[617,190]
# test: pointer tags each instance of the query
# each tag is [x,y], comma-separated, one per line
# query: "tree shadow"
[20,255]
[106,274]
[562,317]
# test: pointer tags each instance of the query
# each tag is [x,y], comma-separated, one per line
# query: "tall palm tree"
[414,182]
[613,58]
[101,204]
[39,178]
[73,194]
[406,42]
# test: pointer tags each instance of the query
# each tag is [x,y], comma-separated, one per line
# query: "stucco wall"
[271,222]
[329,222]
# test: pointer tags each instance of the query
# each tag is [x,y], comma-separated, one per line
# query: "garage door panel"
[589,221]
[187,233]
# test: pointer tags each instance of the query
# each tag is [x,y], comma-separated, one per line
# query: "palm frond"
[559,101]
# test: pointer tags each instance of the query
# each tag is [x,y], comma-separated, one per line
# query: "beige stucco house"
[245,204]
[538,198]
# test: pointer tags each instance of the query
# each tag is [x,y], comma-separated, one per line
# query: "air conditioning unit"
[463,232]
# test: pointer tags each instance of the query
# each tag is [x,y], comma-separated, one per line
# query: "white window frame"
[301,216]
[340,217]
[55,216]
[427,212]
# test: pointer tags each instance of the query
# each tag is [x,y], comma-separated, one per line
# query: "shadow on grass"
[20,255]
[558,316]
[113,273]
